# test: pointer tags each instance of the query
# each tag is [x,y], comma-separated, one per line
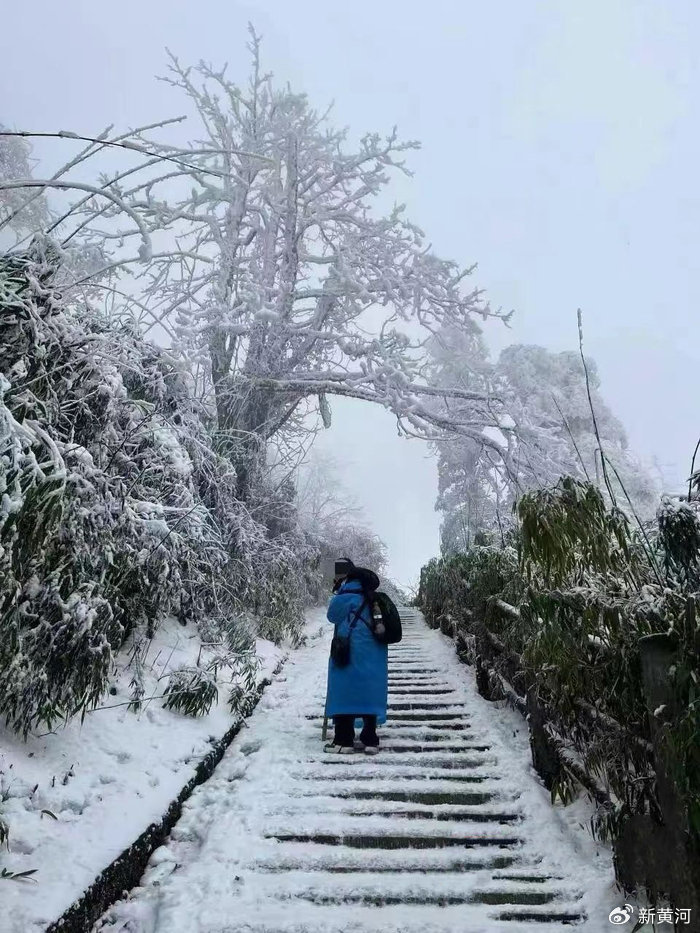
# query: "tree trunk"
[245,420]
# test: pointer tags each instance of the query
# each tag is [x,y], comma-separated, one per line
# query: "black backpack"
[386,622]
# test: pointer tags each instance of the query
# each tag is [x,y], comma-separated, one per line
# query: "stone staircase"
[427,836]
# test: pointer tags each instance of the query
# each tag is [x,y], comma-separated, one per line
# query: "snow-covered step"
[477,774]
[414,716]
[435,730]
[397,725]
[397,681]
[423,692]
[435,834]
[401,676]
[411,669]
[498,899]
[411,645]
[403,741]
[422,684]
[399,656]
[415,663]
[442,889]
[445,762]
[408,732]
[411,665]
[407,918]
[307,822]
[399,767]
[443,793]
[291,856]
[427,715]
[458,744]
[363,839]
[427,700]
[419,813]
[400,787]
[444,814]
[386,803]
[417,676]
[425,705]
[415,727]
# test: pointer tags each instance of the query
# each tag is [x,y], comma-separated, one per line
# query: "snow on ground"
[76,797]
[220,871]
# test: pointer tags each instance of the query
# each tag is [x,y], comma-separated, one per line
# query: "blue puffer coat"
[361,687]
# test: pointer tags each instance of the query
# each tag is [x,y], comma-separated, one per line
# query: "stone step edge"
[127,869]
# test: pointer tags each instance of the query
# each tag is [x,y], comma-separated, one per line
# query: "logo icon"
[621,915]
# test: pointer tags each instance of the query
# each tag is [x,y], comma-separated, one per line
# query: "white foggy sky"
[560,152]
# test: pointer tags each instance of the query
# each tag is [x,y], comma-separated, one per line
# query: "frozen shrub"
[115,506]
[191,690]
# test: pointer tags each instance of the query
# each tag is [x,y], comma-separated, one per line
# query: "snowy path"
[446,830]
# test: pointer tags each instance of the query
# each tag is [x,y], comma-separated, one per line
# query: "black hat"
[367,578]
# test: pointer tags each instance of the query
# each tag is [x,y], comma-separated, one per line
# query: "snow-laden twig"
[146,245]
[130,144]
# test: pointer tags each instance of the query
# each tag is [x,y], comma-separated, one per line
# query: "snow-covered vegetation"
[117,510]
[569,598]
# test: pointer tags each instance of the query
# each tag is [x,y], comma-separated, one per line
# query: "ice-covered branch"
[146,246]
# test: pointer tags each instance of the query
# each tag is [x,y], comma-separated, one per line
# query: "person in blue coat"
[358,690]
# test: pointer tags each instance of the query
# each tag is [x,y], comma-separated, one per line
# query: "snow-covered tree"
[553,434]
[470,495]
[271,261]
[470,474]
[548,401]
[328,515]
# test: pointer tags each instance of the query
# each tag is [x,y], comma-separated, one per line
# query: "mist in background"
[560,153]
